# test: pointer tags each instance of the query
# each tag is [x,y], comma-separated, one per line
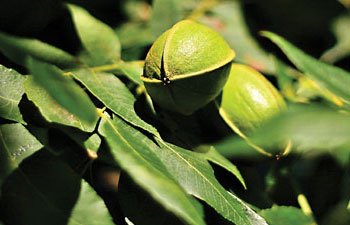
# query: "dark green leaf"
[282,215]
[16,144]
[113,93]
[51,110]
[93,142]
[44,190]
[338,215]
[136,154]
[214,156]
[64,90]
[99,39]
[90,209]
[165,13]
[18,49]
[227,18]
[327,76]
[148,211]
[197,177]
[11,91]
[135,35]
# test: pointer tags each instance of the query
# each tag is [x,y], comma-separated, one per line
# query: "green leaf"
[16,144]
[148,211]
[197,177]
[11,91]
[236,147]
[282,215]
[93,142]
[227,19]
[327,76]
[342,47]
[312,130]
[136,154]
[50,109]
[98,38]
[113,93]
[133,70]
[165,13]
[90,209]
[214,156]
[338,214]
[135,35]
[44,190]
[64,90]
[308,128]
[18,49]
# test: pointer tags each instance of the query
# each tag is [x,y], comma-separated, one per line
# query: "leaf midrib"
[9,99]
[202,175]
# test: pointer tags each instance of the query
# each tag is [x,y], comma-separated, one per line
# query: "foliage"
[81,141]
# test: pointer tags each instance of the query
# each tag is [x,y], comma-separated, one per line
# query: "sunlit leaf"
[11,91]
[16,144]
[197,177]
[282,215]
[64,90]
[18,49]
[113,93]
[333,78]
[50,109]
[44,190]
[98,38]
[136,154]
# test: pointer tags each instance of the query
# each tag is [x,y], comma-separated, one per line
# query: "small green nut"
[249,99]
[187,67]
